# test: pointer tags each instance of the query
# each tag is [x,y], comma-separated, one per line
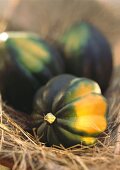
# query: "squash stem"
[49,117]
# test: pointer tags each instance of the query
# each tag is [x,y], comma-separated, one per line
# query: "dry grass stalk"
[114,110]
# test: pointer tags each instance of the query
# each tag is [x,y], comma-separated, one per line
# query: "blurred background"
[50,18]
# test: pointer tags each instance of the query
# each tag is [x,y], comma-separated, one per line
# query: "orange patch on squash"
[86,88]
[90,114]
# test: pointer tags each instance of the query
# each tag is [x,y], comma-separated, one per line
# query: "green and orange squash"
[69,111]
[87,53]
[26,63]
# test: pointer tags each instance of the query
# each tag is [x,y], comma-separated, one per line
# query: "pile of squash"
[58,85]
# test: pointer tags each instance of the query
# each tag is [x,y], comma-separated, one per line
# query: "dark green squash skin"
[89,54]
[26,63]
[46,96]
[43,104]
[51,99]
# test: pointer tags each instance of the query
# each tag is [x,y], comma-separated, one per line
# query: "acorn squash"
[87,53]
[69,111]
[26,63]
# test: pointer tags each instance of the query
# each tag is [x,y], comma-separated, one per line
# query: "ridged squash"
[26,63]
[69,111]
[87,53]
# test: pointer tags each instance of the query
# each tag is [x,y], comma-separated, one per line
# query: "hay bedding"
[20,150]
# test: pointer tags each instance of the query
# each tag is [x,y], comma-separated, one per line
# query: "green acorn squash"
[87,53]
[69,111]
[26,63]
